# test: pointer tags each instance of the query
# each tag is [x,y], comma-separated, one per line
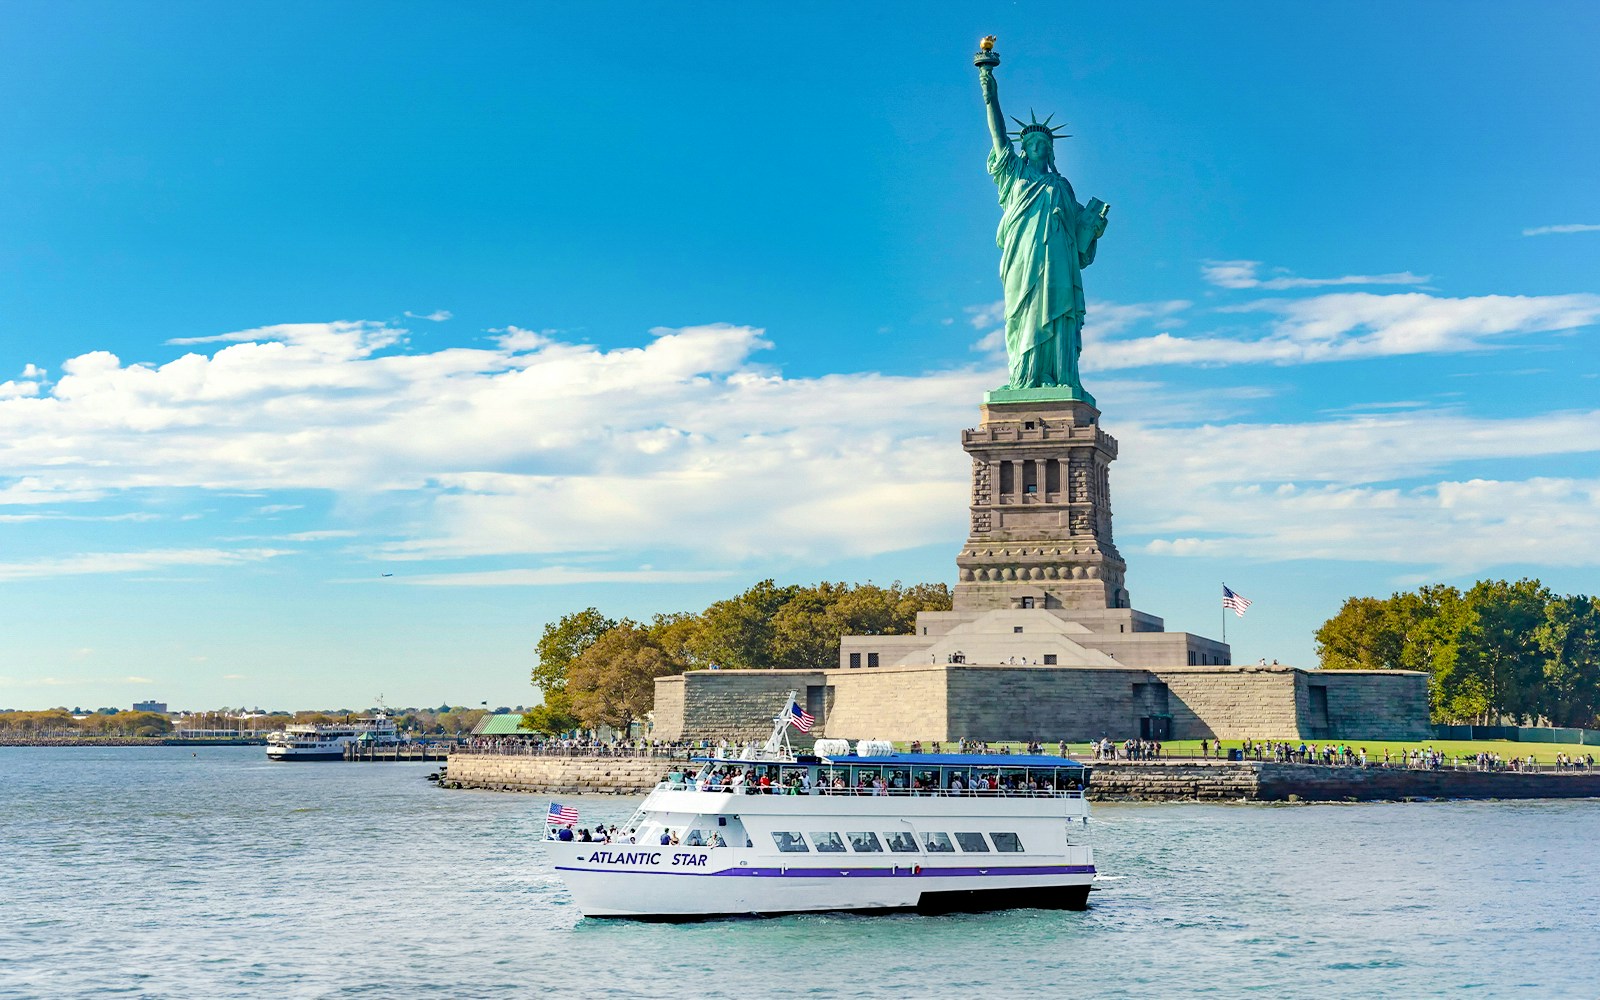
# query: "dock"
[411,752]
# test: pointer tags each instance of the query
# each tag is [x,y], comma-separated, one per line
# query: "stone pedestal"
[1041,509]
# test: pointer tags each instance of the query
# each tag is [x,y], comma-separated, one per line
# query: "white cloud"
[13,388]
[558,576]
[132,679]
[1245,274]
[437,316]
[94,563]
[1351,325]
[581,460]
[987,315]
[1578,227]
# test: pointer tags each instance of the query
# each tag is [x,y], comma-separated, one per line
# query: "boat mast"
[778,742]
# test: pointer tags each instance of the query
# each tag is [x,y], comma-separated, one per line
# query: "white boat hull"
[670,883]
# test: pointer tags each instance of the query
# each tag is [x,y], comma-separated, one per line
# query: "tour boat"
[768,831]
[327,742]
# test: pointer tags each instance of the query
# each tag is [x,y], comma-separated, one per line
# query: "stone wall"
[1231,702]
[735,705]
[559,775]
[1365,704]
[1038,703]
[889,703]
[1136,782]
[1076,703]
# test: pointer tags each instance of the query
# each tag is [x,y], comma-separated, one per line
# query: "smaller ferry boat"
[327,742]
[767,831]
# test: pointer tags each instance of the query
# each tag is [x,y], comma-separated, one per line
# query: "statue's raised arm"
[986,60]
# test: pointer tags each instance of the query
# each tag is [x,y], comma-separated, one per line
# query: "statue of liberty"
[1046,239]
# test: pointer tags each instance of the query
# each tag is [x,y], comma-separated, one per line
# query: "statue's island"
[1043,642]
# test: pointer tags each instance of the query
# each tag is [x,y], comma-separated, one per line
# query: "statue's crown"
[1035,125]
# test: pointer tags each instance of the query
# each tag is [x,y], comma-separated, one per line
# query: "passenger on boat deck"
[716,841]
[666,838]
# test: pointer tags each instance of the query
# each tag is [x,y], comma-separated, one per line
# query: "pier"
[407,752]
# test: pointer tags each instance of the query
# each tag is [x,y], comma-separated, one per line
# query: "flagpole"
[1225,620]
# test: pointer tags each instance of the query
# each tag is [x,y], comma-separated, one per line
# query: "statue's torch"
[986,55]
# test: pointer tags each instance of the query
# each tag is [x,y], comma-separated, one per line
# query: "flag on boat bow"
[561,815]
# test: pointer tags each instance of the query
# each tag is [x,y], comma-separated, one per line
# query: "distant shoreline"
[125,741]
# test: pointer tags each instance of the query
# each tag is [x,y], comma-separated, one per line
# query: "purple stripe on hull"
[903,872]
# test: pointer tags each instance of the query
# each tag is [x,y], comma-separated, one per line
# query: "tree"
[679,636]
[1364,635]
[737,633]
[563,641]
[613,682]
[1499,648]
[1569,641]
[554,717]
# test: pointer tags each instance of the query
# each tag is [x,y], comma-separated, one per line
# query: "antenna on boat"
[778,742]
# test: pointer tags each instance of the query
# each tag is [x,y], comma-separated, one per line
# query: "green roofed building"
[507,724]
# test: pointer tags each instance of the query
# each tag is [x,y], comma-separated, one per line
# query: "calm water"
[154,872]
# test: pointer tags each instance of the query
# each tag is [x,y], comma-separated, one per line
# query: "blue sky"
[537,307]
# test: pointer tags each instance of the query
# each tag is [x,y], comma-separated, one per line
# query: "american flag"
[800,718]
[561,815]
[1237,603]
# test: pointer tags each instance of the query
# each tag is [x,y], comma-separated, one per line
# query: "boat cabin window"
[972,843]
[897,777]
[865,843]
[938,843]
[1004,842]
[790,843]
[902,842]
[864,775]
[827,843]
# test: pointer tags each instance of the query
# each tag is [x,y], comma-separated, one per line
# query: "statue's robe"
[1046,239]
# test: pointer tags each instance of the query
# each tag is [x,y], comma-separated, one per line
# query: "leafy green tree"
[1364,635]
[554,717]
[805,628]
[1569,640]
[562,641]
[613,682]
[737,633]
[678,634]
[1499,647]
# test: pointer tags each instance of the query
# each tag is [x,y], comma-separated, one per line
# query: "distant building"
[159,707]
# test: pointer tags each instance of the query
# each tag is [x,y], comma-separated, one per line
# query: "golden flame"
[987,44]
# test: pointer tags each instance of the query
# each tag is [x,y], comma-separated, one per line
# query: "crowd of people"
[579,747]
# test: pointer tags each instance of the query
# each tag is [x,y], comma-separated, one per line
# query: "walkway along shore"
[1114,781]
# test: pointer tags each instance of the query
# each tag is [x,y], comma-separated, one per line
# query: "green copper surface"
[1039,394]
[1046,239]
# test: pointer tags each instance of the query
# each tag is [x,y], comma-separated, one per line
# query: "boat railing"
[932,793]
